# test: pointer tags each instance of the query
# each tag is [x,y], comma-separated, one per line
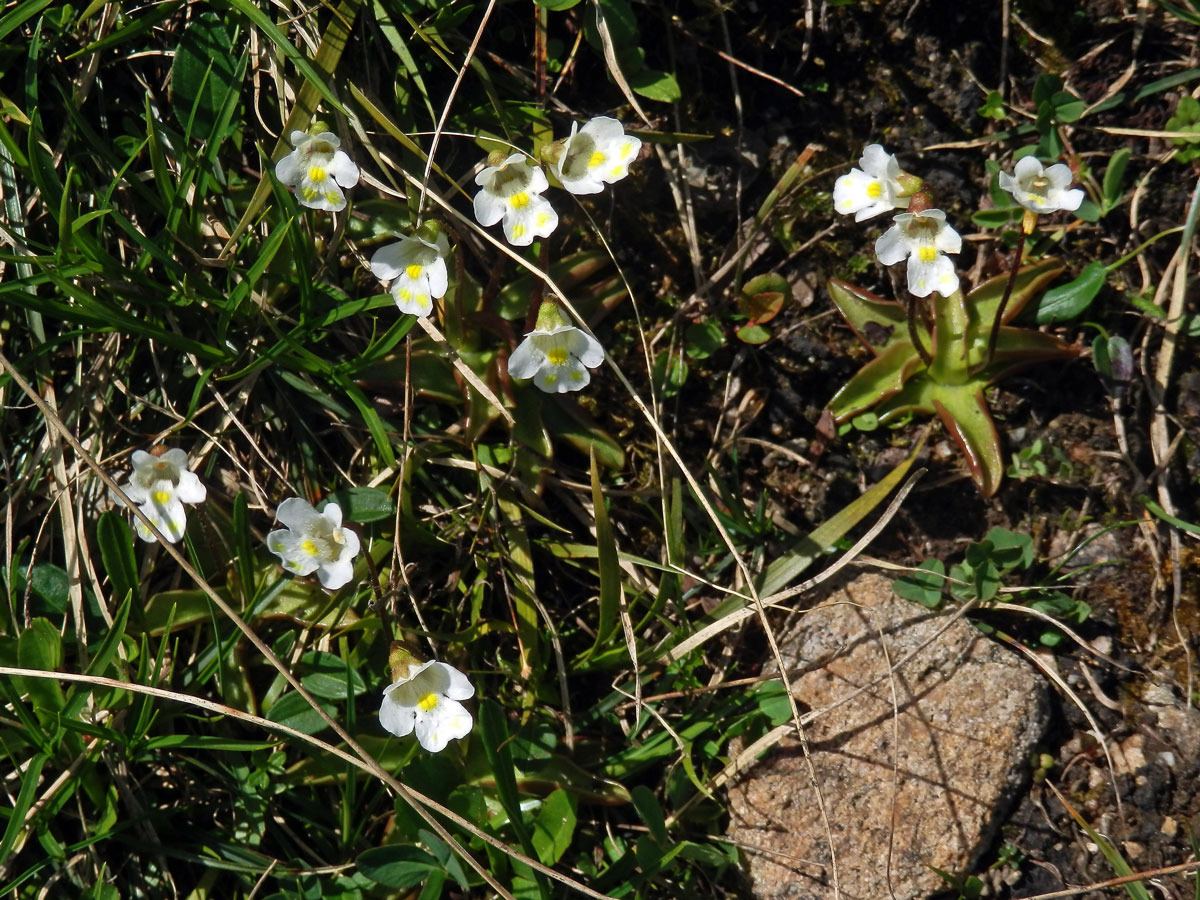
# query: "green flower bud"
[429,231]
[909,185]
[550,317]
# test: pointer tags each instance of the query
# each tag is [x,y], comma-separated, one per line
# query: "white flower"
[417,270]
[1042,190]
[427,701]
[595,155]
[924,238]
[159,486]
[318,170]
[314,542]
[512,191]
[555,358]
[871,190]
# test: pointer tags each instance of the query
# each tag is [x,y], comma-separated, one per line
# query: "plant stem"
[1027,224]
[910,314]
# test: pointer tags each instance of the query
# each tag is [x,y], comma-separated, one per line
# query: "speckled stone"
[903,793]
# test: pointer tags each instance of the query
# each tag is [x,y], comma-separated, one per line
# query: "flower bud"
[909,184]
[550,154]
[497,158]
[429,231]
[920,201]
[400,660]
[550,317]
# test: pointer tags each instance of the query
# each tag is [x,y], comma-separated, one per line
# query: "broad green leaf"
[330,677]
[294,711]
[655,85]
[40,647]
[556,5]
[1069,300]
[554,827]
[203,74]
[49,583]
[650,812]
[362,504]
[398,866]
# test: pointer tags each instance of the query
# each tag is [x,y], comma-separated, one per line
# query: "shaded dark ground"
[911,75]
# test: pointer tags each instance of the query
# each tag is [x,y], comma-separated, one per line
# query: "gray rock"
[927,788]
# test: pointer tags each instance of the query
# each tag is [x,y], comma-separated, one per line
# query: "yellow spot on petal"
[557,356]
[927,254]
[413,271]
[309,194]
[874,190]
[616,172]
[542,219]
[404,294]
[428,702]
[596,159]
[576,375]
[626,148]
[519,201]
[333,198]
[162,497]
[550,379]
[518,231]
[309,547]
[423,301]
[316,173]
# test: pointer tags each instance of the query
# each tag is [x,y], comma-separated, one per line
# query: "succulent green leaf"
[965,414]
[877,322]
[878,380]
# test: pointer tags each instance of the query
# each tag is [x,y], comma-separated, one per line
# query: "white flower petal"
[890,246]
[878,163]
[451,682]
[537,180]
[1027,168]
[189,489]
[343,170]
[296,514]
[390,260]
[289,169]
[586,348]
[336,574]
[525,360]
[176,458]
[438,278]
[396,717]
[489,208]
